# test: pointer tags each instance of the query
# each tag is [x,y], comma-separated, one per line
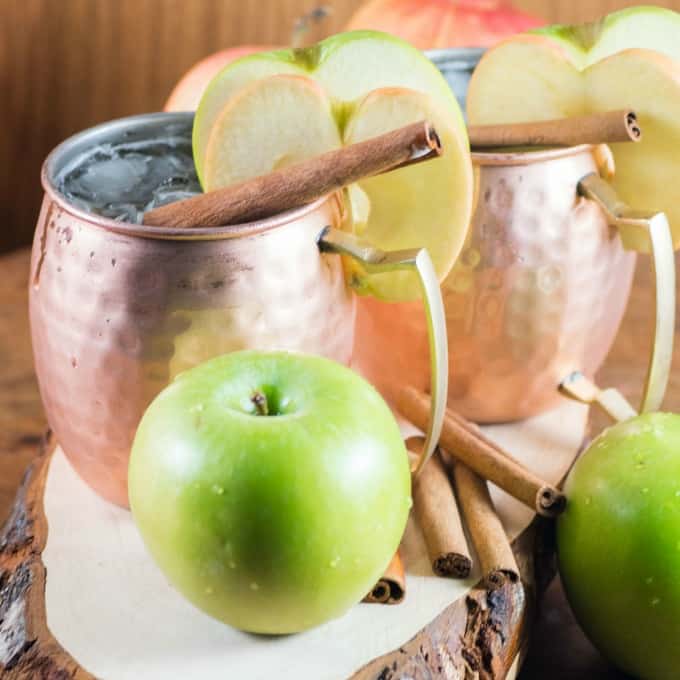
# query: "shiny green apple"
[270,110]
[619,545]
[271,488]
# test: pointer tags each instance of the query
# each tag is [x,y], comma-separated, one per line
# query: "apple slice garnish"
[425,205]
[284,119]
[646,27]
[534,77]
[269,124]
[348,66]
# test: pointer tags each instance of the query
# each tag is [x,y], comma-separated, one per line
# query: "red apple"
[429,24]
[188,91]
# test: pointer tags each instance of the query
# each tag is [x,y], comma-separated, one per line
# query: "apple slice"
[283,119]
[271,123]
[646,27]
[532,77]
[348,66]
[426,205]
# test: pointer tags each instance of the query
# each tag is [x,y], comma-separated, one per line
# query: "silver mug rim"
[161,233]
[519,157]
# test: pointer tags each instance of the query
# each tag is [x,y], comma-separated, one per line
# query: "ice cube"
[110,180]
[121,181]
[164,196]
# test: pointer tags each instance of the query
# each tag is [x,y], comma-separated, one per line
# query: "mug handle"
[416,260]
[647,232]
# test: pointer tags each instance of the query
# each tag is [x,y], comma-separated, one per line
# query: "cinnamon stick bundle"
[595,128]
[302,183]
[437,512]
[391,588]
[492,546]
[465,442]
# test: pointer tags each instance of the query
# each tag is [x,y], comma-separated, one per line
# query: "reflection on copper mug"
[117,310]
[539,290]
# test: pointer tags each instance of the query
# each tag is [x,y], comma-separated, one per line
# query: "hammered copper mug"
[117,310]
[539,290]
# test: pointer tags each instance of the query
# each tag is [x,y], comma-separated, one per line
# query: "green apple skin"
[645,27]
[272,524]
[348,65]
[619,545]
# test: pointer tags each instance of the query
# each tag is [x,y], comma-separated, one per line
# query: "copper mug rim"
[161,233]
[525,157]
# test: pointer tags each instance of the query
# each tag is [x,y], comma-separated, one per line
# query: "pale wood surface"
[68,64]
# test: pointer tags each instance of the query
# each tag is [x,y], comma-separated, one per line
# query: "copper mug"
[539,290]
[117,310]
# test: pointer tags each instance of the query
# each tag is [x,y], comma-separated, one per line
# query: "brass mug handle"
[645,232]
[417,260]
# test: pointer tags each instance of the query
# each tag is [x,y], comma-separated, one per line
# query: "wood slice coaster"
[86,595]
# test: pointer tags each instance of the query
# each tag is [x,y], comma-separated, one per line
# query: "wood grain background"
[68,64]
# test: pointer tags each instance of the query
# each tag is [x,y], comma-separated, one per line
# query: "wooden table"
[559,650]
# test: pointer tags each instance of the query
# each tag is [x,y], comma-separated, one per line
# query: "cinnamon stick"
[391,587]
[302,183]
[437,512]
[465,442]
[492,545]
[595,128]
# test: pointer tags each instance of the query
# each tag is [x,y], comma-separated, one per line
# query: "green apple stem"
[259,399]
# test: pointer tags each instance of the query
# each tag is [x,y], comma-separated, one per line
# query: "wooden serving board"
[78,591]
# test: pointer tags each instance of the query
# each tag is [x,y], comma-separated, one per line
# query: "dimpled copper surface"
[115,316]
[539,290]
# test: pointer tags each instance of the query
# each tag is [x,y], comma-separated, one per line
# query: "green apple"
[267,111]
[271,488]
[630,59]
[619,544]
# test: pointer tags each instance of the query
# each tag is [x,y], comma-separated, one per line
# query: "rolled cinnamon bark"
[492,545]
[302,183]
[465,442]
[391,588]
[437,512]
[595,128]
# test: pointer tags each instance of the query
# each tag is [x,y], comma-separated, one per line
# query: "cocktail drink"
[119,309]
[122,180]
